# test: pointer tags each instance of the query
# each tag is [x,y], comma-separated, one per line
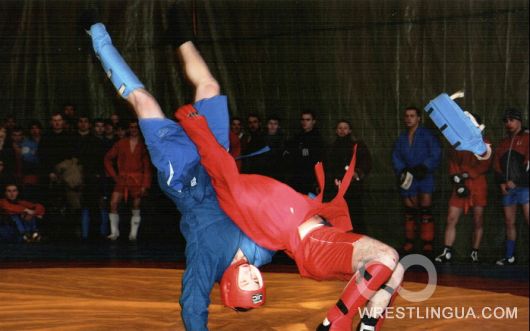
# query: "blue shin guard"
[118,71]
[458,127]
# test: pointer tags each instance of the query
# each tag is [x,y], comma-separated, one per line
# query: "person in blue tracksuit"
[216,250]
[415,157]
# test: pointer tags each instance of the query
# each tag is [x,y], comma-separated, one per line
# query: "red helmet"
[234,296]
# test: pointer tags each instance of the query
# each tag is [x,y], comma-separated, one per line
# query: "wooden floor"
[147,299]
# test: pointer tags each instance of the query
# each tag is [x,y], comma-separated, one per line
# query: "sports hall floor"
[109,286]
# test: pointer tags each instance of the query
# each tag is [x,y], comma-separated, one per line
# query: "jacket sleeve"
[109,158]
[39,210]
[454,162]
[197,283]
[364,160]
[497,165]
[11,208]
[397,162]
[479,167]
[37,207]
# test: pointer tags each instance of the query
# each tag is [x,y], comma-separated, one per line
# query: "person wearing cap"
[216,249]
[467,174]
[511,164]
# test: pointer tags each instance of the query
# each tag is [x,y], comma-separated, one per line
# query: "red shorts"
[478,196]
[326,253]
[129,186]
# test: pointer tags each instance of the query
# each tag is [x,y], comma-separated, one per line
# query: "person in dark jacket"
[338,157]
[304,150]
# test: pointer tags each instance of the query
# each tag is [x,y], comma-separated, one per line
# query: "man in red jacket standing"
[511,166]
[132,179]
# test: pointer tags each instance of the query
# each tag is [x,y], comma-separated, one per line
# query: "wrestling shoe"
[445,257]
[113,237]
[35,236]
[474,256]
[506,261]
[27,237]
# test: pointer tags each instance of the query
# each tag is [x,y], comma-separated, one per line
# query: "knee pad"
[411,213]
[426,214]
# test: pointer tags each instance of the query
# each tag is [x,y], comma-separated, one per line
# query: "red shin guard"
[359,289]
[410,229]
[427,230]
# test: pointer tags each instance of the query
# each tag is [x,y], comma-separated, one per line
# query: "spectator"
[511,165]
[120,130]
[253,142]
[467,174]
[337,160]
[4,177]
[90,152]
[105,185]
[98,126]
[55,146]
[303,152]
[236,134]
[110,134]
[17,136]
[23,213]
[274,138]
[70,117]
[415,157]
[115,119]
[133,178]
[10,122]
[6,152]
[31,163]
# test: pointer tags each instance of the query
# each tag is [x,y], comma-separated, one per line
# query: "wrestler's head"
[242,286]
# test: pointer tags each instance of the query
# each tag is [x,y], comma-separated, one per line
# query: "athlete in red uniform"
[470,190]
[279,218]
[133,178]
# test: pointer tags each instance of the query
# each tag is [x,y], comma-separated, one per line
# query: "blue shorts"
[516,196]
[425,185]
[172,153]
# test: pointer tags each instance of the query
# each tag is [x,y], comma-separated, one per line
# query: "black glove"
[461,190]
[419,171]
[459,178]
[180,24]
[321,327]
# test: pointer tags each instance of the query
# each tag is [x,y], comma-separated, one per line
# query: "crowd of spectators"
[87,168]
